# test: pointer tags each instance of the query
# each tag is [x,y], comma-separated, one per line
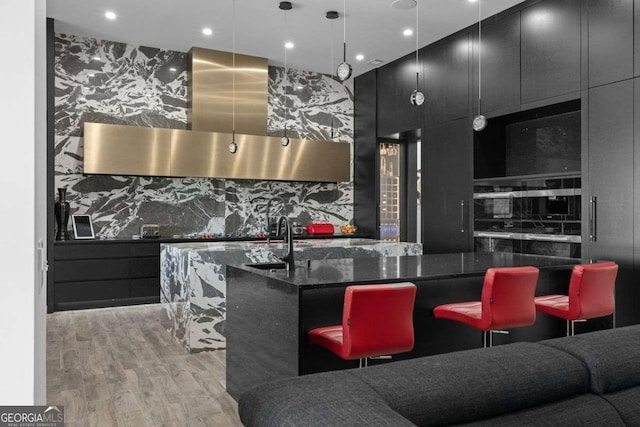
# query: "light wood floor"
[119,367]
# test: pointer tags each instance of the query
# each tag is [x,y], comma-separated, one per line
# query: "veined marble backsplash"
[108,82]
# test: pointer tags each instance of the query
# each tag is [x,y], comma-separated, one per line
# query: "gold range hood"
[202,150]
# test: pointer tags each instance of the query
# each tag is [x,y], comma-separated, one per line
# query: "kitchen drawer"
[145,267]
[89,270]
[149,287]
[92,291]
[65,251]
[145,249]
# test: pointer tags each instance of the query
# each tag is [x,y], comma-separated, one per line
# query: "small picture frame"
[82,227]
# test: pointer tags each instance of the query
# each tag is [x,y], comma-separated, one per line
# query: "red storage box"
[320,229]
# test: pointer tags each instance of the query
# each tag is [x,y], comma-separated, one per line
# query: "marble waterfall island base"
[193,279]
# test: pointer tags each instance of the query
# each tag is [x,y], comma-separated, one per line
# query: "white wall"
[22,212]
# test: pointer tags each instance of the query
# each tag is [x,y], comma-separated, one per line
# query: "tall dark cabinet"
[608,197]
[395,82]
[447,192]
[551,41]
[365,152]
[500,65]
[447,72]
[610,29]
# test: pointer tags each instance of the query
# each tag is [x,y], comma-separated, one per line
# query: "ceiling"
[373,27]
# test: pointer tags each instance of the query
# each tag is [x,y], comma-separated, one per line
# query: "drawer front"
[149,287]
[90,270]
[92,291]
[145,267]
[90,251]
[145,249]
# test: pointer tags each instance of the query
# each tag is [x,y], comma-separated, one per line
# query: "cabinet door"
[550,49]
[447,187]
[636,37]
[446,76]
[610,41]
[365,153]
[634,298]
[500,65]
[610,182]
[395,83]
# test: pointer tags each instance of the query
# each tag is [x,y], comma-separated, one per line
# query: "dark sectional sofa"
[588,380]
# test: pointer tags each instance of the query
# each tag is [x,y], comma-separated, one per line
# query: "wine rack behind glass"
[390,192]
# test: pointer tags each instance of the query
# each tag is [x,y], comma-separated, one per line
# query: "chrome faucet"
[288,239]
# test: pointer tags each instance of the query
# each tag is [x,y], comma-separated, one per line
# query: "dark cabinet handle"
[462,216]
[593,220]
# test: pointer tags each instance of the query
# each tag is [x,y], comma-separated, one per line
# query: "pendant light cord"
[233,42]
[417,43]
[286,77]
[330,73]
[479,56]
[344,30]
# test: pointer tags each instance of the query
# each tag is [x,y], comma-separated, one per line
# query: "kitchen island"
[270,311]
[193,284]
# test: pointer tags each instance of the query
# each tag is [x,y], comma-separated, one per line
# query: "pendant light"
[332,15]
[344,69]
[479,121]
[233,147]
[417,97]
[285,5]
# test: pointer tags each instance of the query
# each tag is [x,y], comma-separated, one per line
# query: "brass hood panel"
[206,154]
[126,150]
[202,151]
[212,98]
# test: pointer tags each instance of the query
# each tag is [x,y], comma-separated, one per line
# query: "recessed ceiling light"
[110,15]
[207,31]
[473,1]
[289,45]
[408,32]
[97,58]
[404,4]
[92,75]
[359,57]
[299,88]
[173,69]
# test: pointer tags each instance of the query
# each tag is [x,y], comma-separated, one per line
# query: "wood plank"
[119,367]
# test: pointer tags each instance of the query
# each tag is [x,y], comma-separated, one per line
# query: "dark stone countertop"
[213,239]
[337,272]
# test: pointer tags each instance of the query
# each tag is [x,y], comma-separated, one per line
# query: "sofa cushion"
[612,356]
[627,403]
[584,410]
[327,399]
[469,385]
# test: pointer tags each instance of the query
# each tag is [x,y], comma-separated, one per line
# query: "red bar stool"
[591,295]
[377,320]
[506,302]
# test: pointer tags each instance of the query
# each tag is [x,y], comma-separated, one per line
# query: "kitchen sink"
[268,266]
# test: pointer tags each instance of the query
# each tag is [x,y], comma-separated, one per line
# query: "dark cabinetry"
[610,38]
[447,72]
[551,37]
[105,274]
[395,82]
[636,37]
[608,202]
[365,153]
[447,187]
[500,64]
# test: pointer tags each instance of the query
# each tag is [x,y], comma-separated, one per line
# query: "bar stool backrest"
[591,290]
[507,297]
[378,319]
